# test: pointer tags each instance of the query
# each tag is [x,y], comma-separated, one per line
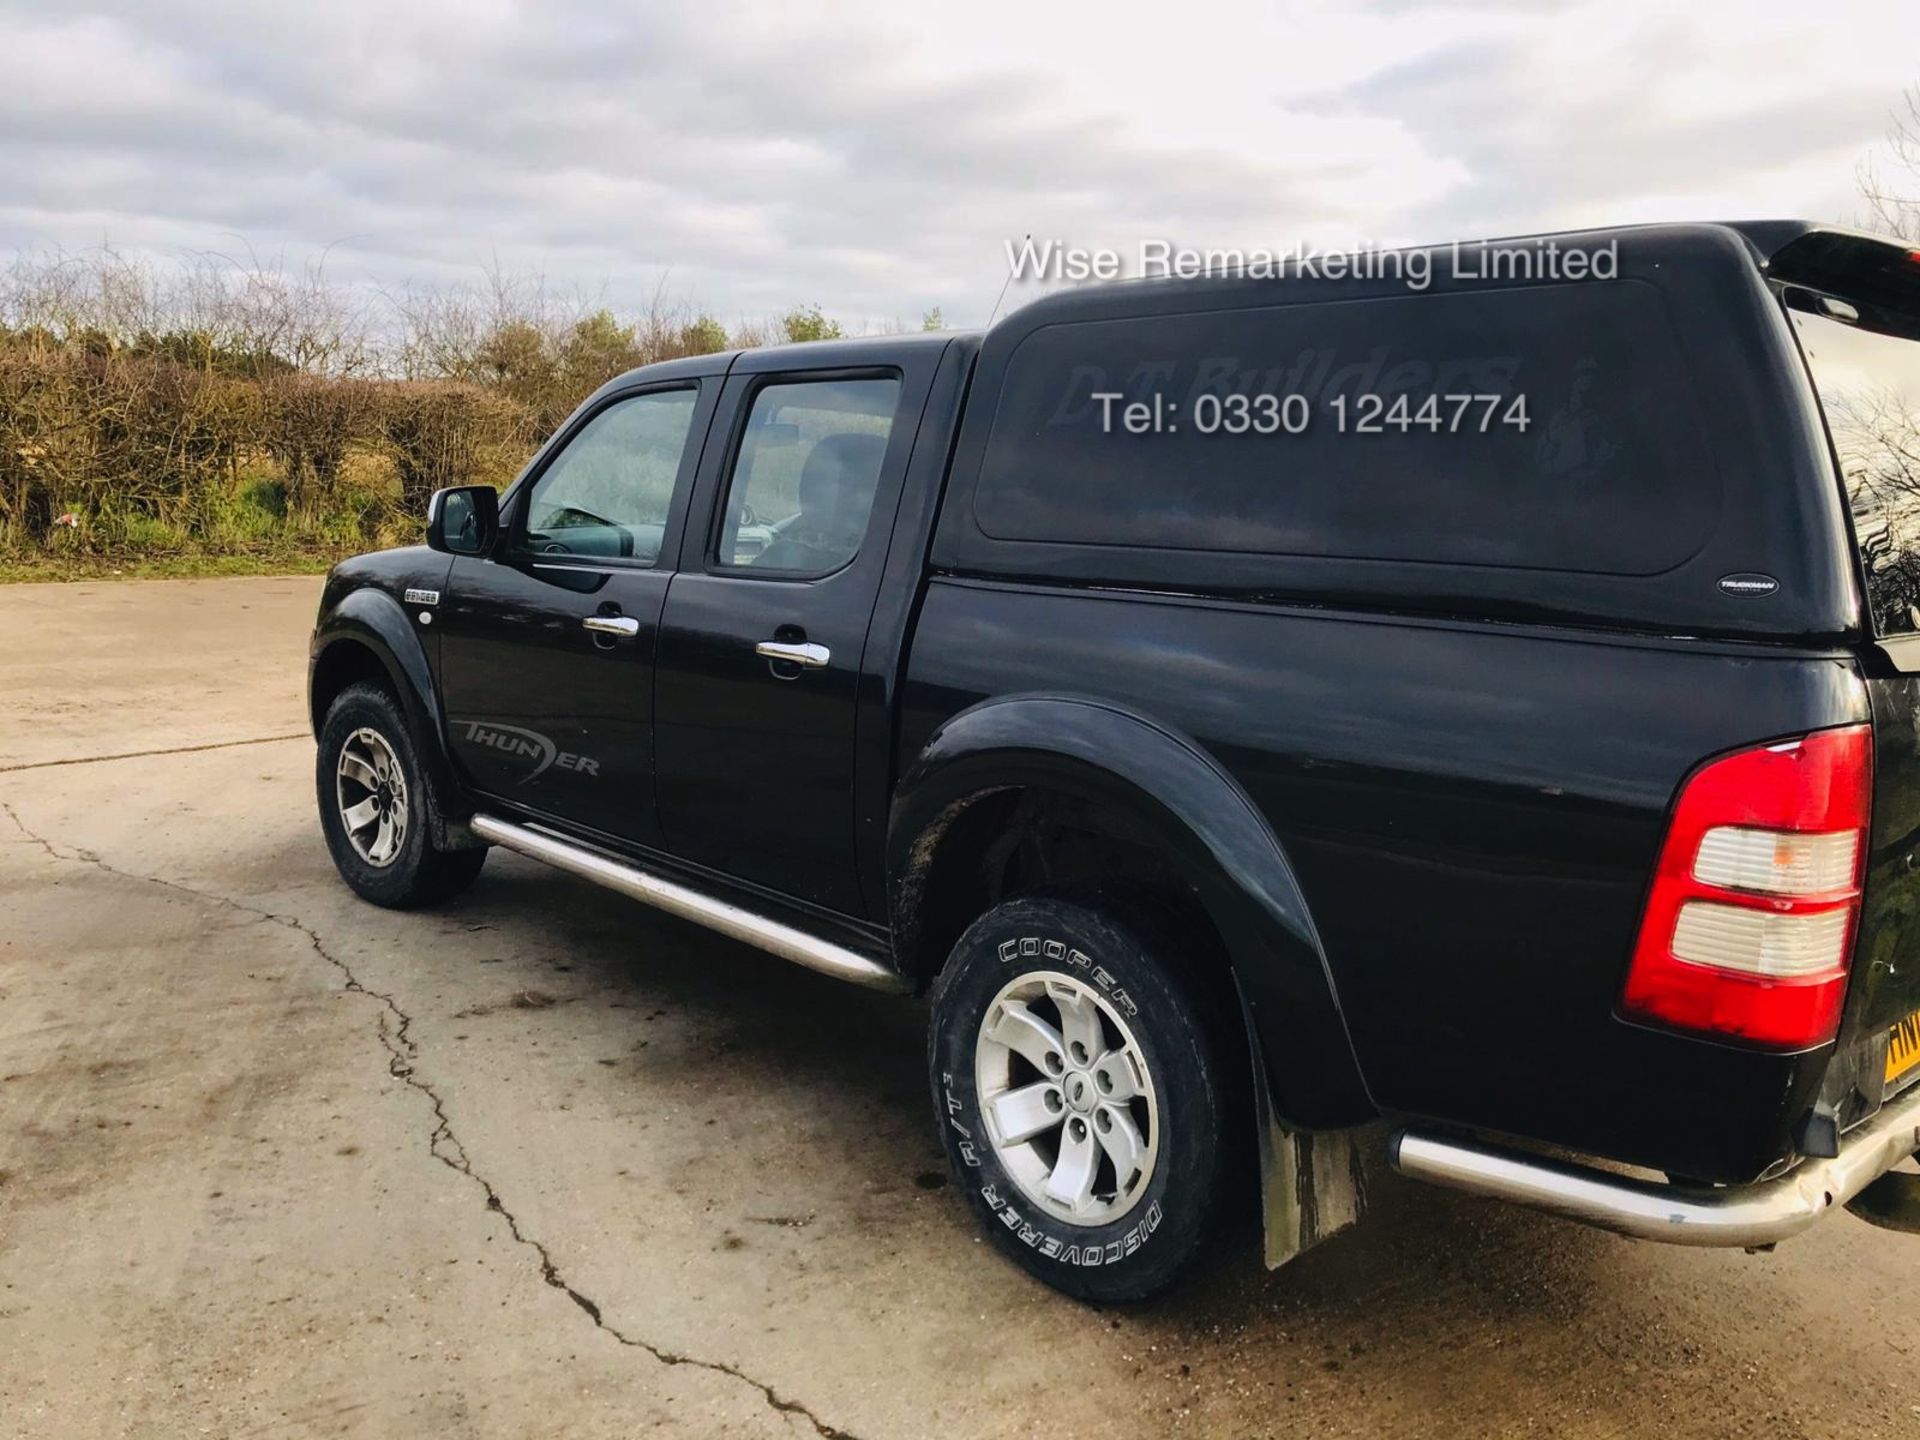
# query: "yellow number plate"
[1903,1048]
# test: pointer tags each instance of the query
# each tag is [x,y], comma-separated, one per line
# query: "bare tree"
[208,308]
[1892,188]
[1877,436]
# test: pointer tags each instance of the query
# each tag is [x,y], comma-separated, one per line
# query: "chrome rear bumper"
[1742,1215]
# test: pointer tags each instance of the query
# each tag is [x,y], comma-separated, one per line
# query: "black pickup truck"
[1467,691]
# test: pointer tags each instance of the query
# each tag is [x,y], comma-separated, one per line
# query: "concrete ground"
[544,1163]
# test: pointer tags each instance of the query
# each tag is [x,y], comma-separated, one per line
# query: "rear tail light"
[1750,922]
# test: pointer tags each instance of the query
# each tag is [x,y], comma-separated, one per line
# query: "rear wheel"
[376,810]
[1080,1093]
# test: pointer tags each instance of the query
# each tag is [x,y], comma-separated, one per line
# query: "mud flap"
[1311,1184]
[1310,1187]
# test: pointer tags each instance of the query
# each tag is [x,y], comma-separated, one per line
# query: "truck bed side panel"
[1473,813]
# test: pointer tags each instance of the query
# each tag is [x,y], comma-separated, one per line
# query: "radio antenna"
[1003,286]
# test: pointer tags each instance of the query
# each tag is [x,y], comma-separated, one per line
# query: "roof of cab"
[807,355]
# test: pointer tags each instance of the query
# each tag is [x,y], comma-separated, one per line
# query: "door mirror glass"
[463,520]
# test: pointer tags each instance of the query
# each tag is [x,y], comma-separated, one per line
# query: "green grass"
[17,570]
[238,529]
[242,525]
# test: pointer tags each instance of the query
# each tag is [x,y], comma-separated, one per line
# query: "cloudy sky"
[874,158]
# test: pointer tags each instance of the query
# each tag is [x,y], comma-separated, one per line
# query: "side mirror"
[463,520]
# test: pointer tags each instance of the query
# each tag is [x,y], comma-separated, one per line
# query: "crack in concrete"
[142,754]
[394,1027]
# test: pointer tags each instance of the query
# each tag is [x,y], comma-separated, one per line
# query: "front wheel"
[1081,1096]
[376,810]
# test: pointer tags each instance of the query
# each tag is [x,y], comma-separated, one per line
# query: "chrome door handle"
[808,655]
[612,624]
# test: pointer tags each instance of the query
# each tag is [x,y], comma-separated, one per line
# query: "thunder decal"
[532,745]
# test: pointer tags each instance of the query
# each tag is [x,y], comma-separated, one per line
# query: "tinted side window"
[804,479]
[1607,474]
[608,493]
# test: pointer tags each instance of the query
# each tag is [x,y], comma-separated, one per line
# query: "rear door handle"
[809,655]
[612,624]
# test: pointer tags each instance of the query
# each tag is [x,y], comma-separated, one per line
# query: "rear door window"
[804,478]
[1541,427]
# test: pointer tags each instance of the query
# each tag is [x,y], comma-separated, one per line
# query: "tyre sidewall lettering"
[1076,1247]
[967,1146]
[1067,1244]
[1085,1254]
[1058,954]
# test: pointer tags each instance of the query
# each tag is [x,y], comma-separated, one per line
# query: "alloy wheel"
[1069,1103]
[372,793]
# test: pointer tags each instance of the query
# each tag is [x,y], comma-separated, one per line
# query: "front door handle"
[612,624]
[811,656]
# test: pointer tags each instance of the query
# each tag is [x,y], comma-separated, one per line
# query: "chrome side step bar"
[729,919]
[1739,1215]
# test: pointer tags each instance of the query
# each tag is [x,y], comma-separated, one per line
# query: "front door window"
[608,493]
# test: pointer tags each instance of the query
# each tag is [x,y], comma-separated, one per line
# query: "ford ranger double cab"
[1467,702]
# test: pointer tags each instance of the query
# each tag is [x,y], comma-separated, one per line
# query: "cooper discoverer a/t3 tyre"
[1080,1096]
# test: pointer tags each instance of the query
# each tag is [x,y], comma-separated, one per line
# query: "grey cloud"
[594,137]
[1503,114]
[757,165]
